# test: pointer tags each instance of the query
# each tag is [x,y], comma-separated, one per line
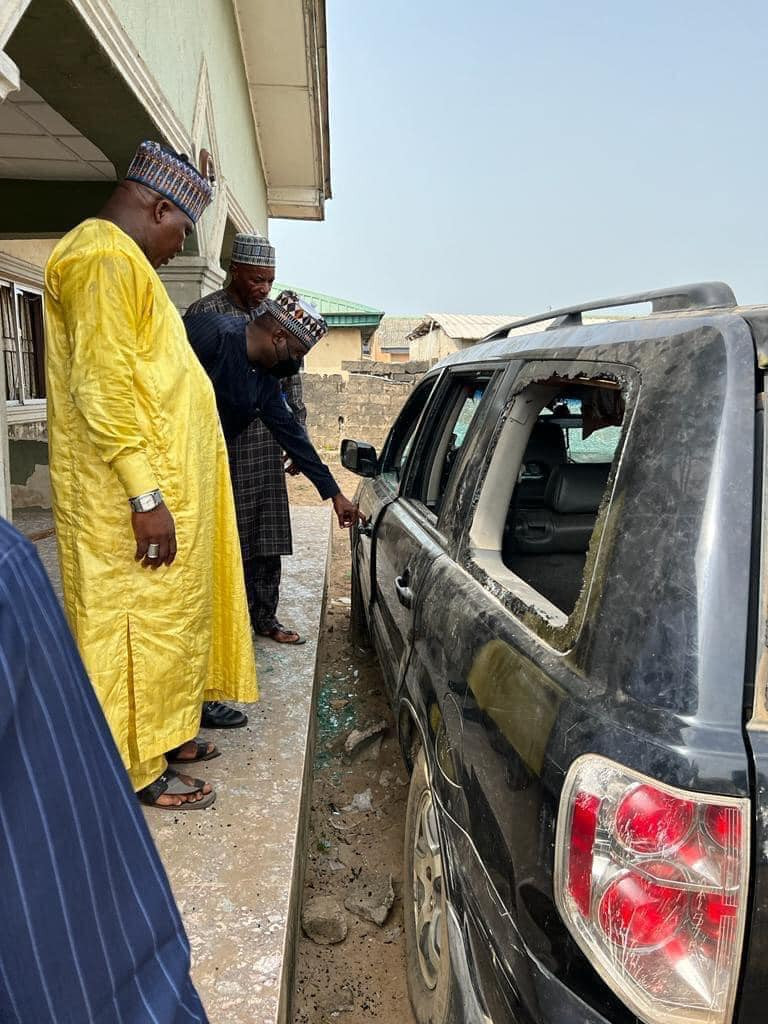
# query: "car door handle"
[403,591]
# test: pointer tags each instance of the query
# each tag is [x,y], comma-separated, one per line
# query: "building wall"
[33,250]
[30,474]
[175,57]
[339,345]
[433,346]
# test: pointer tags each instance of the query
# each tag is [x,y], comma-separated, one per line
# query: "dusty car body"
[562,575]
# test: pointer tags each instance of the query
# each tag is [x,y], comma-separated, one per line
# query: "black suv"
[562,572]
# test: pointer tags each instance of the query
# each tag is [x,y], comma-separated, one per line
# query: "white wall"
[173,37]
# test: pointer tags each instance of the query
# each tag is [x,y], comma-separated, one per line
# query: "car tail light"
[652,882]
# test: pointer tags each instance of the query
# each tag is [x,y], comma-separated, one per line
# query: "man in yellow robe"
[142,499]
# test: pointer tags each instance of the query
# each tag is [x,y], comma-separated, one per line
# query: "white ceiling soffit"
[284,51]
[36,142]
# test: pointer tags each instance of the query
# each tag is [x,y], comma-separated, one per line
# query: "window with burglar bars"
[21,322]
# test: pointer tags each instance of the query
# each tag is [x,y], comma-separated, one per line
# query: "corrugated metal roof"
[327,304]
[474,328]
[456,325]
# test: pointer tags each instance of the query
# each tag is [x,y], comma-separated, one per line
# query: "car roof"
[684,307]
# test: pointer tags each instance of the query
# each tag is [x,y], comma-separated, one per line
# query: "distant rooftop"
[455,325]
[337,312]
[475,327]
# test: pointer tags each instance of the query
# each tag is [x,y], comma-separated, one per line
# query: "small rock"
[345,1000]
[392,935]
[371,897]
[338,704]
[385,779]
[345,601]
[324,921]
[358,739]
[360,802]
[371,751]
[347,856]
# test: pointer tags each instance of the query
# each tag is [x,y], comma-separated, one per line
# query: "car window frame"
[424,455]
[564,637]
[396,483]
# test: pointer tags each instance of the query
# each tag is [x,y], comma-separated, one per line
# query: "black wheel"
[431,983]
[358,626]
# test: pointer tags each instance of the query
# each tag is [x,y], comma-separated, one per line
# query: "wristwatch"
[146,502]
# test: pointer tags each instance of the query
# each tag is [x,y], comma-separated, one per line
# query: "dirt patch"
[356,822]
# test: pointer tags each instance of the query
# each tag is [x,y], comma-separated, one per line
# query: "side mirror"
[359,457]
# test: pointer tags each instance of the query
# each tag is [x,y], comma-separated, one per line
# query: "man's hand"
[346,511]
[155,527]
[290,466]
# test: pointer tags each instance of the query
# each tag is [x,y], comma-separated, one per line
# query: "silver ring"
[153,551]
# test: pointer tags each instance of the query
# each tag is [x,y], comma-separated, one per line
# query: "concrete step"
[237,869]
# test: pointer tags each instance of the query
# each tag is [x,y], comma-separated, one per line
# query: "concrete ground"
[236,869]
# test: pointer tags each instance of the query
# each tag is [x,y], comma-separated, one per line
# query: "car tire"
[358,624]
[431,982]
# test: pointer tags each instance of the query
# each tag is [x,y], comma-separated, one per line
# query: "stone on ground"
[324,921]
[371,898]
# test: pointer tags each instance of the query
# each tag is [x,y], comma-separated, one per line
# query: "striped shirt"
[90,931]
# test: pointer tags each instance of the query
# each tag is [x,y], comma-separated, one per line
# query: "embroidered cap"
[301,318]
[172,176]
[255,250]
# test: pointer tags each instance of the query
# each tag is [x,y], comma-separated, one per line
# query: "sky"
[507,156]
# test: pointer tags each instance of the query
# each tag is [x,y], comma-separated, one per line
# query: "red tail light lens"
[724,825]
[583,828]
[638,913]
[652,883]
[649,821]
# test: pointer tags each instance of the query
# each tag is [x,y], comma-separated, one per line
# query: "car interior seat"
[547,546]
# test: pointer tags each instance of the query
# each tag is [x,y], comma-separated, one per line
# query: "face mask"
[285,368]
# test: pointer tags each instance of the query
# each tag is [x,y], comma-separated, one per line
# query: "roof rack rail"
[704,295]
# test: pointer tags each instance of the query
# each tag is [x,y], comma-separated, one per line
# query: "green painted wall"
[172,36]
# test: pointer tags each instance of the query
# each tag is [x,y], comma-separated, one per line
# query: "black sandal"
[221,716]
[202,753]
[170,783]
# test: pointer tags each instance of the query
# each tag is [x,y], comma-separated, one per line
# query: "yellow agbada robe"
[131,409]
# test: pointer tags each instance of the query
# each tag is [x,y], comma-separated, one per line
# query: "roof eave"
[284,47]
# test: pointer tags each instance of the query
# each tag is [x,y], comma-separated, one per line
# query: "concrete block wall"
[357,404]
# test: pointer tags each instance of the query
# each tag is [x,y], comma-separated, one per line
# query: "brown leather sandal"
[171,783]
[279,631]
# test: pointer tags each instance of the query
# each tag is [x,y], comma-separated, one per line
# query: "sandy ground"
[362,978]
